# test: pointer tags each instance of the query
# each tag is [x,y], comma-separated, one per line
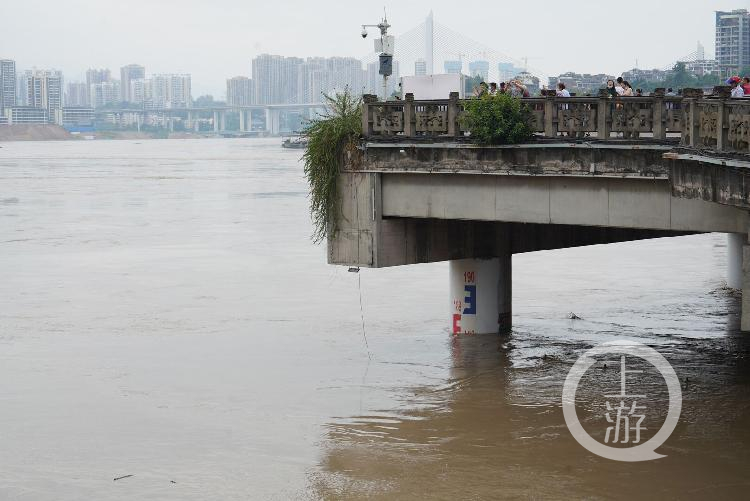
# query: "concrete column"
[242,120]
[735,242]
[223,120]
[216,121]
[745,319]
[273,119]
[480,295]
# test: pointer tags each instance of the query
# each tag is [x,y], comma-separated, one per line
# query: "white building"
[104,93]
[420,68]
[733,40]
[275,79]
[239,91]
[78,116]
[127,74]
[169,91]
[44,89]
[703,67]
[26,115]
[77,94]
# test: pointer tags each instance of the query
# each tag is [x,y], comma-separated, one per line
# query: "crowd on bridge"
[740,87]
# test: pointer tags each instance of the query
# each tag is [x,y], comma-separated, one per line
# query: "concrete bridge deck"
[600,171]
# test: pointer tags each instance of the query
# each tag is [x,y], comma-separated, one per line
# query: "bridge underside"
[393,219]
[409,205]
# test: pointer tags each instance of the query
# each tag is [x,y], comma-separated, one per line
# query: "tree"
[498,119]
[329,136]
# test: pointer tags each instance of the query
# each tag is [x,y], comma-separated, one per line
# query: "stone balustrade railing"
[715,122]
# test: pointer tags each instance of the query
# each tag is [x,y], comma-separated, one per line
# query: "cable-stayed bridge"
[434,44]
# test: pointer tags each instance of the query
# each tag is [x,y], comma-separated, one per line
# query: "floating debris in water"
[573,316]
[120,478]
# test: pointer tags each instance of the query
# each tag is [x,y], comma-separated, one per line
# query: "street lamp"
[385,45]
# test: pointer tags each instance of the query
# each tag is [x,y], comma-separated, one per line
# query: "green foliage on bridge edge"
[328,138]
[498,119]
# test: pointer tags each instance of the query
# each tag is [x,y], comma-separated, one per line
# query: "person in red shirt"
[746,85]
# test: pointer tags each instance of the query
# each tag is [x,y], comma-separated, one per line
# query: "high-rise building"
[95,76]
[420,68]
[7,83]
[733,40]
[170,91]
[456,66]
[275,79]
[375,79]
[140,91]
[507,71]
[239,91]
[342,73]
[318,76]
[127,74]
[21,90]
[44,89]
[104,93]
[77,94]
[480,69]
[312,80]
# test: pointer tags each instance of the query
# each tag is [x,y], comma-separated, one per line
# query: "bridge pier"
[745,315]
[273,119]
[480,293]
[735,244]
[242,120]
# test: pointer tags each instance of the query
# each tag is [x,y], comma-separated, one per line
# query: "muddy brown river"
[166,321]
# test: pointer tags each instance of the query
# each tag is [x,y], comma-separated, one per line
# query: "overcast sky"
[215,39]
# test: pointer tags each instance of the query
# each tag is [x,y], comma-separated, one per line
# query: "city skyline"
[242,34]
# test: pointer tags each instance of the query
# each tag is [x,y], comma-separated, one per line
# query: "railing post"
[453,125]
[691,109]
[409,115]
[658,122]
[602,114]
[722,92]
[367,99]
[550,106]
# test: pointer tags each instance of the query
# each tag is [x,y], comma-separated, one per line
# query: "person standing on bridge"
[619,87]
[561,90]
[737,90]
[611,90]
[746,85]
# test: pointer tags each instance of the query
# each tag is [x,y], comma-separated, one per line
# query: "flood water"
[164,314]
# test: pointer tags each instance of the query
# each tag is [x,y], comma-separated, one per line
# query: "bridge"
[599,170]
[217,114]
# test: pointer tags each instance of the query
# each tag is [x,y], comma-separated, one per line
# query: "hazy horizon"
[216,41]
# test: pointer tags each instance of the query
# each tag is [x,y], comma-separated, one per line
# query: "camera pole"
[385,45]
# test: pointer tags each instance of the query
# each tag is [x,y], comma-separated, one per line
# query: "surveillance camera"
[364,33]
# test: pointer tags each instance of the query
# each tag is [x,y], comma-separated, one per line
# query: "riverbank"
[43,132]
[34,132]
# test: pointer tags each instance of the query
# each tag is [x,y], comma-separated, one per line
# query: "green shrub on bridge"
[329,136]
[498,119]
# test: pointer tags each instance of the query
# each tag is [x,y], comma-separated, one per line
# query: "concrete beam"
[593,201]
